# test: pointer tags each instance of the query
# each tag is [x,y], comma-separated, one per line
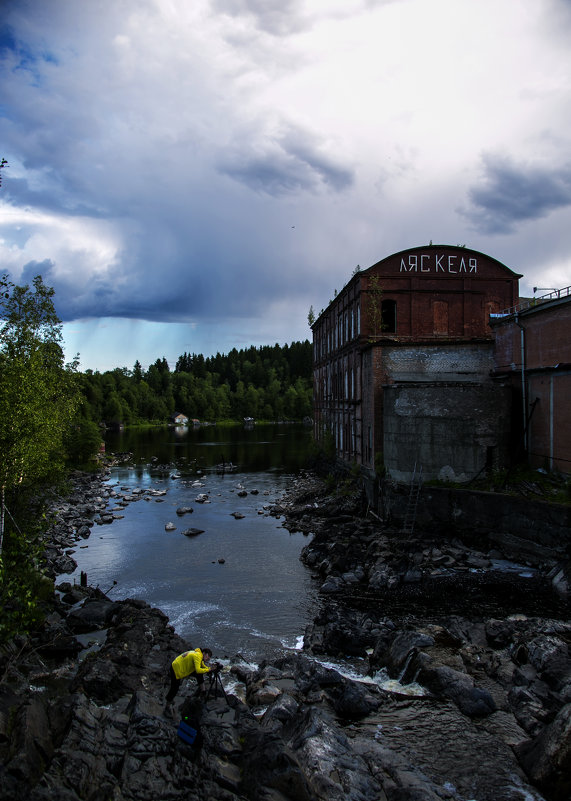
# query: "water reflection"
[276,447]
[239,586]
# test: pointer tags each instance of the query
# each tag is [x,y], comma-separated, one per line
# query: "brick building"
[404,364]
[533,351]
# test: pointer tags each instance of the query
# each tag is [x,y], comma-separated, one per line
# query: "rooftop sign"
[451,263]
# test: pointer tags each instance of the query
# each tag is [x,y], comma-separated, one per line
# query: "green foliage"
[375,306]
[270,383]
[23,586]
[82,441]
[39,395]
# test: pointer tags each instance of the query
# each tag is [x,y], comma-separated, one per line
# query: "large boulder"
[459,687]
[94,614]
[547,758]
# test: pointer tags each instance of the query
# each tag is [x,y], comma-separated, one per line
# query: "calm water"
[260,598]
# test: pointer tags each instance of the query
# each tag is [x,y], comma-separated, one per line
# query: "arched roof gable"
[441,261]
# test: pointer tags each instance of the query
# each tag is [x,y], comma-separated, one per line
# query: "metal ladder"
[412,503]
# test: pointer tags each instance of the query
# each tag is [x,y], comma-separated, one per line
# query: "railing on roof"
[529,303]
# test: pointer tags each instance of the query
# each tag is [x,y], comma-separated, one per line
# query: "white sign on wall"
[452,264]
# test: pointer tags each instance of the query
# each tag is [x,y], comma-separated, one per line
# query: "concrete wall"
[454,431]
[443,362]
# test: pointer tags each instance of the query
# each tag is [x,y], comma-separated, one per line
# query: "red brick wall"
[549,432]
[548,336]
[547,356]
[441,291]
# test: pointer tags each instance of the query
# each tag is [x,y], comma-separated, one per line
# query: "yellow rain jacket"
[189,662]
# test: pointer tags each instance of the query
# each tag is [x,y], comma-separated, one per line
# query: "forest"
[266,383]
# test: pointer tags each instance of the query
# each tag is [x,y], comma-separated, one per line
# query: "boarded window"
[440,316]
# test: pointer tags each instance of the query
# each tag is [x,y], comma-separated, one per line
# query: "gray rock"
[547,758]
[94,614]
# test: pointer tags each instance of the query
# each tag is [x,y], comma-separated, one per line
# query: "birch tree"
[38,392]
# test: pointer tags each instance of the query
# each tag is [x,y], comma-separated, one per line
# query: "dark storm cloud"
[290,164]
[34,268]
[512,193]
[59,198]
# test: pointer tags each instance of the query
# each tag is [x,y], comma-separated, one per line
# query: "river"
[238,587]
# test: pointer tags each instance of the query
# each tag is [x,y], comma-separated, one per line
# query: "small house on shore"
[179,419]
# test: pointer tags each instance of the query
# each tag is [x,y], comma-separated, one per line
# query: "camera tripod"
[214,685]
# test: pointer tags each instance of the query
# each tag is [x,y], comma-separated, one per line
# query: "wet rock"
[354,702]
[31,747]
[499,633]
[99,680]
[332,585]
[72,596]
[334,632]
[459,687]
[268,762]
[192,532]
[403,645]
[184,510]
[547,758]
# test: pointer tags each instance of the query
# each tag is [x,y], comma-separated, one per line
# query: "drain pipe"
[523,389]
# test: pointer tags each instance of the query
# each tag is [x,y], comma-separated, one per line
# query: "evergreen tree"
[250,382]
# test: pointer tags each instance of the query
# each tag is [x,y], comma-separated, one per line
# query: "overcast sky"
[193,175]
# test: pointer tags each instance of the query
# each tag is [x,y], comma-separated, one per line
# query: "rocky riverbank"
[452,703]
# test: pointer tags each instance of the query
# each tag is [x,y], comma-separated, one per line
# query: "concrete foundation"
[454,431]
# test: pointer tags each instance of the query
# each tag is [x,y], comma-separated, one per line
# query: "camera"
[216,667]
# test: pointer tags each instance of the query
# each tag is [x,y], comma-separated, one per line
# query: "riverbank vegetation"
[39,399]
[268,382]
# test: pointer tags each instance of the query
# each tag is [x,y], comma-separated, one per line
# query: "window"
[389,316]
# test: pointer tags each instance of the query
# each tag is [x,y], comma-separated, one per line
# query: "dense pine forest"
[266,383]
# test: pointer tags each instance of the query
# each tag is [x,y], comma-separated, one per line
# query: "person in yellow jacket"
[190,663]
